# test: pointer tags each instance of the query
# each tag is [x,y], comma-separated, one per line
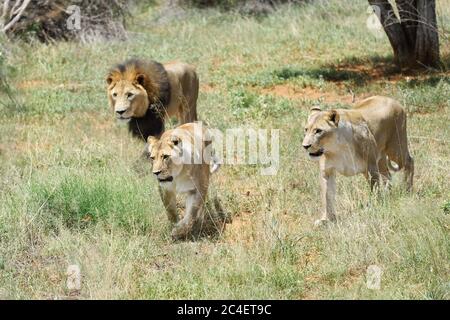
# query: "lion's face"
[129,99]
[165,156]
[320,133]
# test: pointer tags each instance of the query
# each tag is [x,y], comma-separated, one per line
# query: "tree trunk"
[427,40]
[414,38]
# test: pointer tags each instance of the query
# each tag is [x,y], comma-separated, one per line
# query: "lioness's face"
[129,99]
[164,156]
[320,133]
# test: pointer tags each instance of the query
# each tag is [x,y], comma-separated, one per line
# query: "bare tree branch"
[5,11]
[17,16]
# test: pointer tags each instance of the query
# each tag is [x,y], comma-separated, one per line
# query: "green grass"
[69,193]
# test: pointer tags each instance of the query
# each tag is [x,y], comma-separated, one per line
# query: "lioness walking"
[364,139]
[182,162]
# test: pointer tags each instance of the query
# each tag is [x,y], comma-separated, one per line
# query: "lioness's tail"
[392,167]
[215,164]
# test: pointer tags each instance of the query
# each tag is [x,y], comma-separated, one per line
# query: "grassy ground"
[69,194]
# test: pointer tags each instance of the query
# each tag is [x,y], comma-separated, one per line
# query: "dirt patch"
[348,280]
[45,84]
[241,230]
[291,92]
[352,276]
[370,72]
[207,87]
[29,84]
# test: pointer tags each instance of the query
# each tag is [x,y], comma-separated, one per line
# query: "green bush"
[78,201]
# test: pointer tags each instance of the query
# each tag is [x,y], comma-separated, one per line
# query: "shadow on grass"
[358,71]
[431,81]
[327,74]
[361,71]
[213,225]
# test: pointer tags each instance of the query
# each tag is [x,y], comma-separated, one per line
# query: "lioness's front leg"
[328,192]
[169,200]
[374,176]
[194,213]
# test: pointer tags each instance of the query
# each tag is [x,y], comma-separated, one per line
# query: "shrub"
[247,7]
[55,20]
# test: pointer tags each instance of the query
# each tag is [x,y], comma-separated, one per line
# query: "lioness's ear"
[175,140]
[315,109]
[333,116]
[151,140]
[140,78]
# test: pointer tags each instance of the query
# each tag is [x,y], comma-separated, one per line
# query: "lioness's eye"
[166,156]
[130,95]
[317,131]
[152,158]
[114,94]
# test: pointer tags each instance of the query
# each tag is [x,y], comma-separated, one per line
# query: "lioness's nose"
[306,146]
[120,112]
[156,172]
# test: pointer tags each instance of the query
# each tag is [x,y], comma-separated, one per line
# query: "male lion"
[143,93]
[181,160]
[364,140]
